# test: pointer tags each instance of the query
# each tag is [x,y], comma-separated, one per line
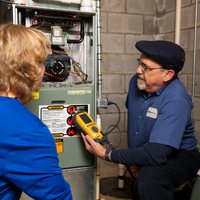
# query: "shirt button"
[140,117]
[136,133]
[145,101]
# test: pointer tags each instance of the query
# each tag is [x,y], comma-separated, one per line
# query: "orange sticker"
[59,146]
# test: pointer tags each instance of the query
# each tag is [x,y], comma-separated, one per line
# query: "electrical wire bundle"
[109,143]
[55,68]
[62,56]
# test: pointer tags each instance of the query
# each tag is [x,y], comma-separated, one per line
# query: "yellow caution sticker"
[35,95]
[59,146]
[55,107]
[57,134]
[79,92]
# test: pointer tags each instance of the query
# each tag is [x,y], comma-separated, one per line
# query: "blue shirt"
[157,124]
[28,158]
[162,117]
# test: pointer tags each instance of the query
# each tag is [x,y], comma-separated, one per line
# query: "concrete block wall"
[123,23]
[187,42]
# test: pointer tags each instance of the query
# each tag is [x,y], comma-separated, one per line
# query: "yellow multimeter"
[87,126]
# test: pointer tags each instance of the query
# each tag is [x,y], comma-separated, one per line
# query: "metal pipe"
[195,46]
[14,13]
[121,176]
[178,22]
[99,124]
[98,180]
[99,50]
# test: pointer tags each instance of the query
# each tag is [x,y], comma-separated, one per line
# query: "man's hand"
[93,147]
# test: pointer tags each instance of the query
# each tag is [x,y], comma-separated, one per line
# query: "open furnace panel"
[71,36]
[69,82]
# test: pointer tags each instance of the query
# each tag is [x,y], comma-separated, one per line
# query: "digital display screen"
[85,118]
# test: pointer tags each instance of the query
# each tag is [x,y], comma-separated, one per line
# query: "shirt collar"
[157,92]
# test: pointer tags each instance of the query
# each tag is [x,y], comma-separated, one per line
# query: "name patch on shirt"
[152,113]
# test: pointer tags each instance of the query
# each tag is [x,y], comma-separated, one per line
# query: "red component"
[69,121]
[71,131]
[71,110]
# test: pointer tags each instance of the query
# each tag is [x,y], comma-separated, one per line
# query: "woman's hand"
[93,147]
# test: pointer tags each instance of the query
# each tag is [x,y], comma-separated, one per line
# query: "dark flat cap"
[168,54]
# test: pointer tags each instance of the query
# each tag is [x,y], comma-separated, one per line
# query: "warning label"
[58,119]
[59,146]
[55,119]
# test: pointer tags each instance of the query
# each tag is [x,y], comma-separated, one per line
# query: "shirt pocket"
[147,128]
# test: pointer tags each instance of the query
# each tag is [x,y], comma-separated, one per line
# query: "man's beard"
[141,84]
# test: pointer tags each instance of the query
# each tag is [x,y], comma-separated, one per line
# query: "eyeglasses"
[145,67]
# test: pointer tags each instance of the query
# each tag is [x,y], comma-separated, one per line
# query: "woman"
[28,158]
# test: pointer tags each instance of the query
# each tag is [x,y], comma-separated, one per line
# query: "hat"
[168,54]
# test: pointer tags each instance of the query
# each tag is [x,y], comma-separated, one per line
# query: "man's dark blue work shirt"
[162,118]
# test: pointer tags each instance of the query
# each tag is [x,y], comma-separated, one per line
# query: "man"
[162,146]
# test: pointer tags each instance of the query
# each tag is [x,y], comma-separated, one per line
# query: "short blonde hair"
[23,51]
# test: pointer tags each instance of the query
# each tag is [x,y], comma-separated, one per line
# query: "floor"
[106,172]
[102,197]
